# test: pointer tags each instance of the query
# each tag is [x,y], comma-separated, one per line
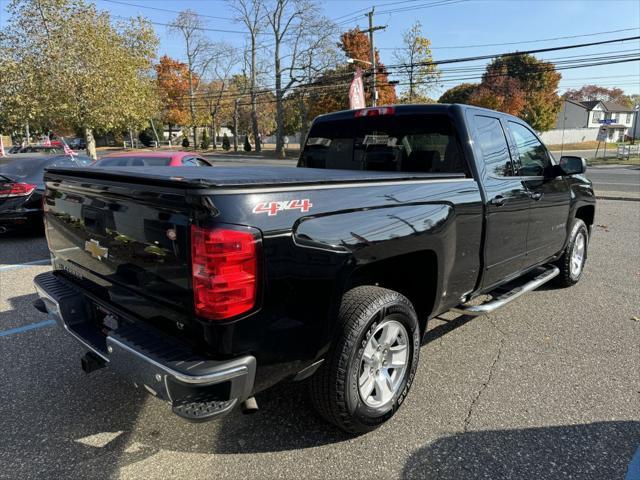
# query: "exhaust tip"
[249,406]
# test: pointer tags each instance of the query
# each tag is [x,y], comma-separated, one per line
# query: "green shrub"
[226,145]
[206,142]
[146,137]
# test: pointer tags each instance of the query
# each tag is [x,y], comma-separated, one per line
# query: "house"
[617,119]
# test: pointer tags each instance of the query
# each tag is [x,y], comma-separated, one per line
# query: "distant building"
[616,118]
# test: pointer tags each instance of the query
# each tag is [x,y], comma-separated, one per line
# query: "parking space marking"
[44,261]
[26,328]
[633,471]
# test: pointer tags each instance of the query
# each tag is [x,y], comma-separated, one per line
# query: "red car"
[152,159]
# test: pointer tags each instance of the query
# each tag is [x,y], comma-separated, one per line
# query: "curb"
[613,197]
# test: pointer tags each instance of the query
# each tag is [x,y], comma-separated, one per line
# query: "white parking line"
[44,261]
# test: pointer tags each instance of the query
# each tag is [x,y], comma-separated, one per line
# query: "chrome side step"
[511,295]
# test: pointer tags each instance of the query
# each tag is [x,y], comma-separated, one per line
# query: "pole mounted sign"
[602,135]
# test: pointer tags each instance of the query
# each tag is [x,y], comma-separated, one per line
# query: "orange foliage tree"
[330,91]
[173,88]
[521,85]
[356,45]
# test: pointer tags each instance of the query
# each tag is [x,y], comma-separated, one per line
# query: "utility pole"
[235,125]
[374,91]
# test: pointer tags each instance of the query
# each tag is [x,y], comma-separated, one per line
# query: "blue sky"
[468,24]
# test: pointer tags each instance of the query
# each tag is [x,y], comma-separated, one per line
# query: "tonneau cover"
[249,176]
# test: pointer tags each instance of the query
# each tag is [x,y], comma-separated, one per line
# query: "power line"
[457,75]
[147,7]
[335,86]
[513,54]
[526,41]
[202,29]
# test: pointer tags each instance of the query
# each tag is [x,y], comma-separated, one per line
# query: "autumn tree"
[500,92]
[416,66]
[89,74]
[173,88]
[355,44]
[523,86]
[459,94]
[596,92]
[330,91]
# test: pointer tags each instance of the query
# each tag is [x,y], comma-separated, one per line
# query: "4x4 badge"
[93,247]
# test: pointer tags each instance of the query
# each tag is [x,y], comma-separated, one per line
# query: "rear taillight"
[16,189]
[374,111]
[225,271]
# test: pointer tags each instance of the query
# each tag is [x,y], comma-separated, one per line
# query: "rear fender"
[365,237]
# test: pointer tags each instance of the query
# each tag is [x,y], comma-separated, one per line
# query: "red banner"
[356,91]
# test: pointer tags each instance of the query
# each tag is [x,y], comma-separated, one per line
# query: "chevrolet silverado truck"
[206,286]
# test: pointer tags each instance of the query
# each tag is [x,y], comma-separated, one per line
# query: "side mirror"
[572,165]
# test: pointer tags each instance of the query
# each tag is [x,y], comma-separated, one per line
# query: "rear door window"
[492,141]
[402,143]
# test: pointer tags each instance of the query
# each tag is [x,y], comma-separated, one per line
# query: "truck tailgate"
[127,243]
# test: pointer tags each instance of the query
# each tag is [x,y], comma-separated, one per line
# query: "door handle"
[498,200]
[536,195]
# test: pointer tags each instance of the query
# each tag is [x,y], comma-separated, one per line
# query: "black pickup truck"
[207,286]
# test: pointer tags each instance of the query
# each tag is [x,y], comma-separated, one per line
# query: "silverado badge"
[93,247]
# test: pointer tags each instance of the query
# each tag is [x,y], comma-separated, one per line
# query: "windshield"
[402,143]
[134,161]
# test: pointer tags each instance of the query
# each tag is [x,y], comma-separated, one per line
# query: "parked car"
[22,187]
[207,287]
[77,143]
[152,159]
[44,149]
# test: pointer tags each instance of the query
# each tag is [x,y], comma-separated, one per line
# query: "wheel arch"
[415,275]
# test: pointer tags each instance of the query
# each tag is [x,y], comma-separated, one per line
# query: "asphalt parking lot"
[546,388]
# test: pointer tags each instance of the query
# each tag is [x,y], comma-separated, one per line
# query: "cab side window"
[493,143]
[534,159]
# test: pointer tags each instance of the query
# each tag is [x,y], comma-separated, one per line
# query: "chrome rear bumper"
[197,388]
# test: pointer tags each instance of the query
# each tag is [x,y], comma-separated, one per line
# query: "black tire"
[569,276]
[334,388]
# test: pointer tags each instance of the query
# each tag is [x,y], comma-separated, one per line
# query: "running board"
[500,301]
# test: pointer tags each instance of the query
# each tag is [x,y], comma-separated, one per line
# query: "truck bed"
[241,177]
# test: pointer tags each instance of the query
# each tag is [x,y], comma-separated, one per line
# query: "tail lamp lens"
[225,272]
[16,189]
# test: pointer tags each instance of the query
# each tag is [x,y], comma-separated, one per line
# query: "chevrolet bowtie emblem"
[93,247]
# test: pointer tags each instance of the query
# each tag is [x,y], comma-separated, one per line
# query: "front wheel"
[572,262]
[371,365]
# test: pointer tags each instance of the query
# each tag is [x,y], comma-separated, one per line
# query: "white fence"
[571,135]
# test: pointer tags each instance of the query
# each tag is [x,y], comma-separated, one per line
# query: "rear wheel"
[370,368]
[572,262]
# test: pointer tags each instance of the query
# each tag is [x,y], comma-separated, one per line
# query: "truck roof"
[413,109]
